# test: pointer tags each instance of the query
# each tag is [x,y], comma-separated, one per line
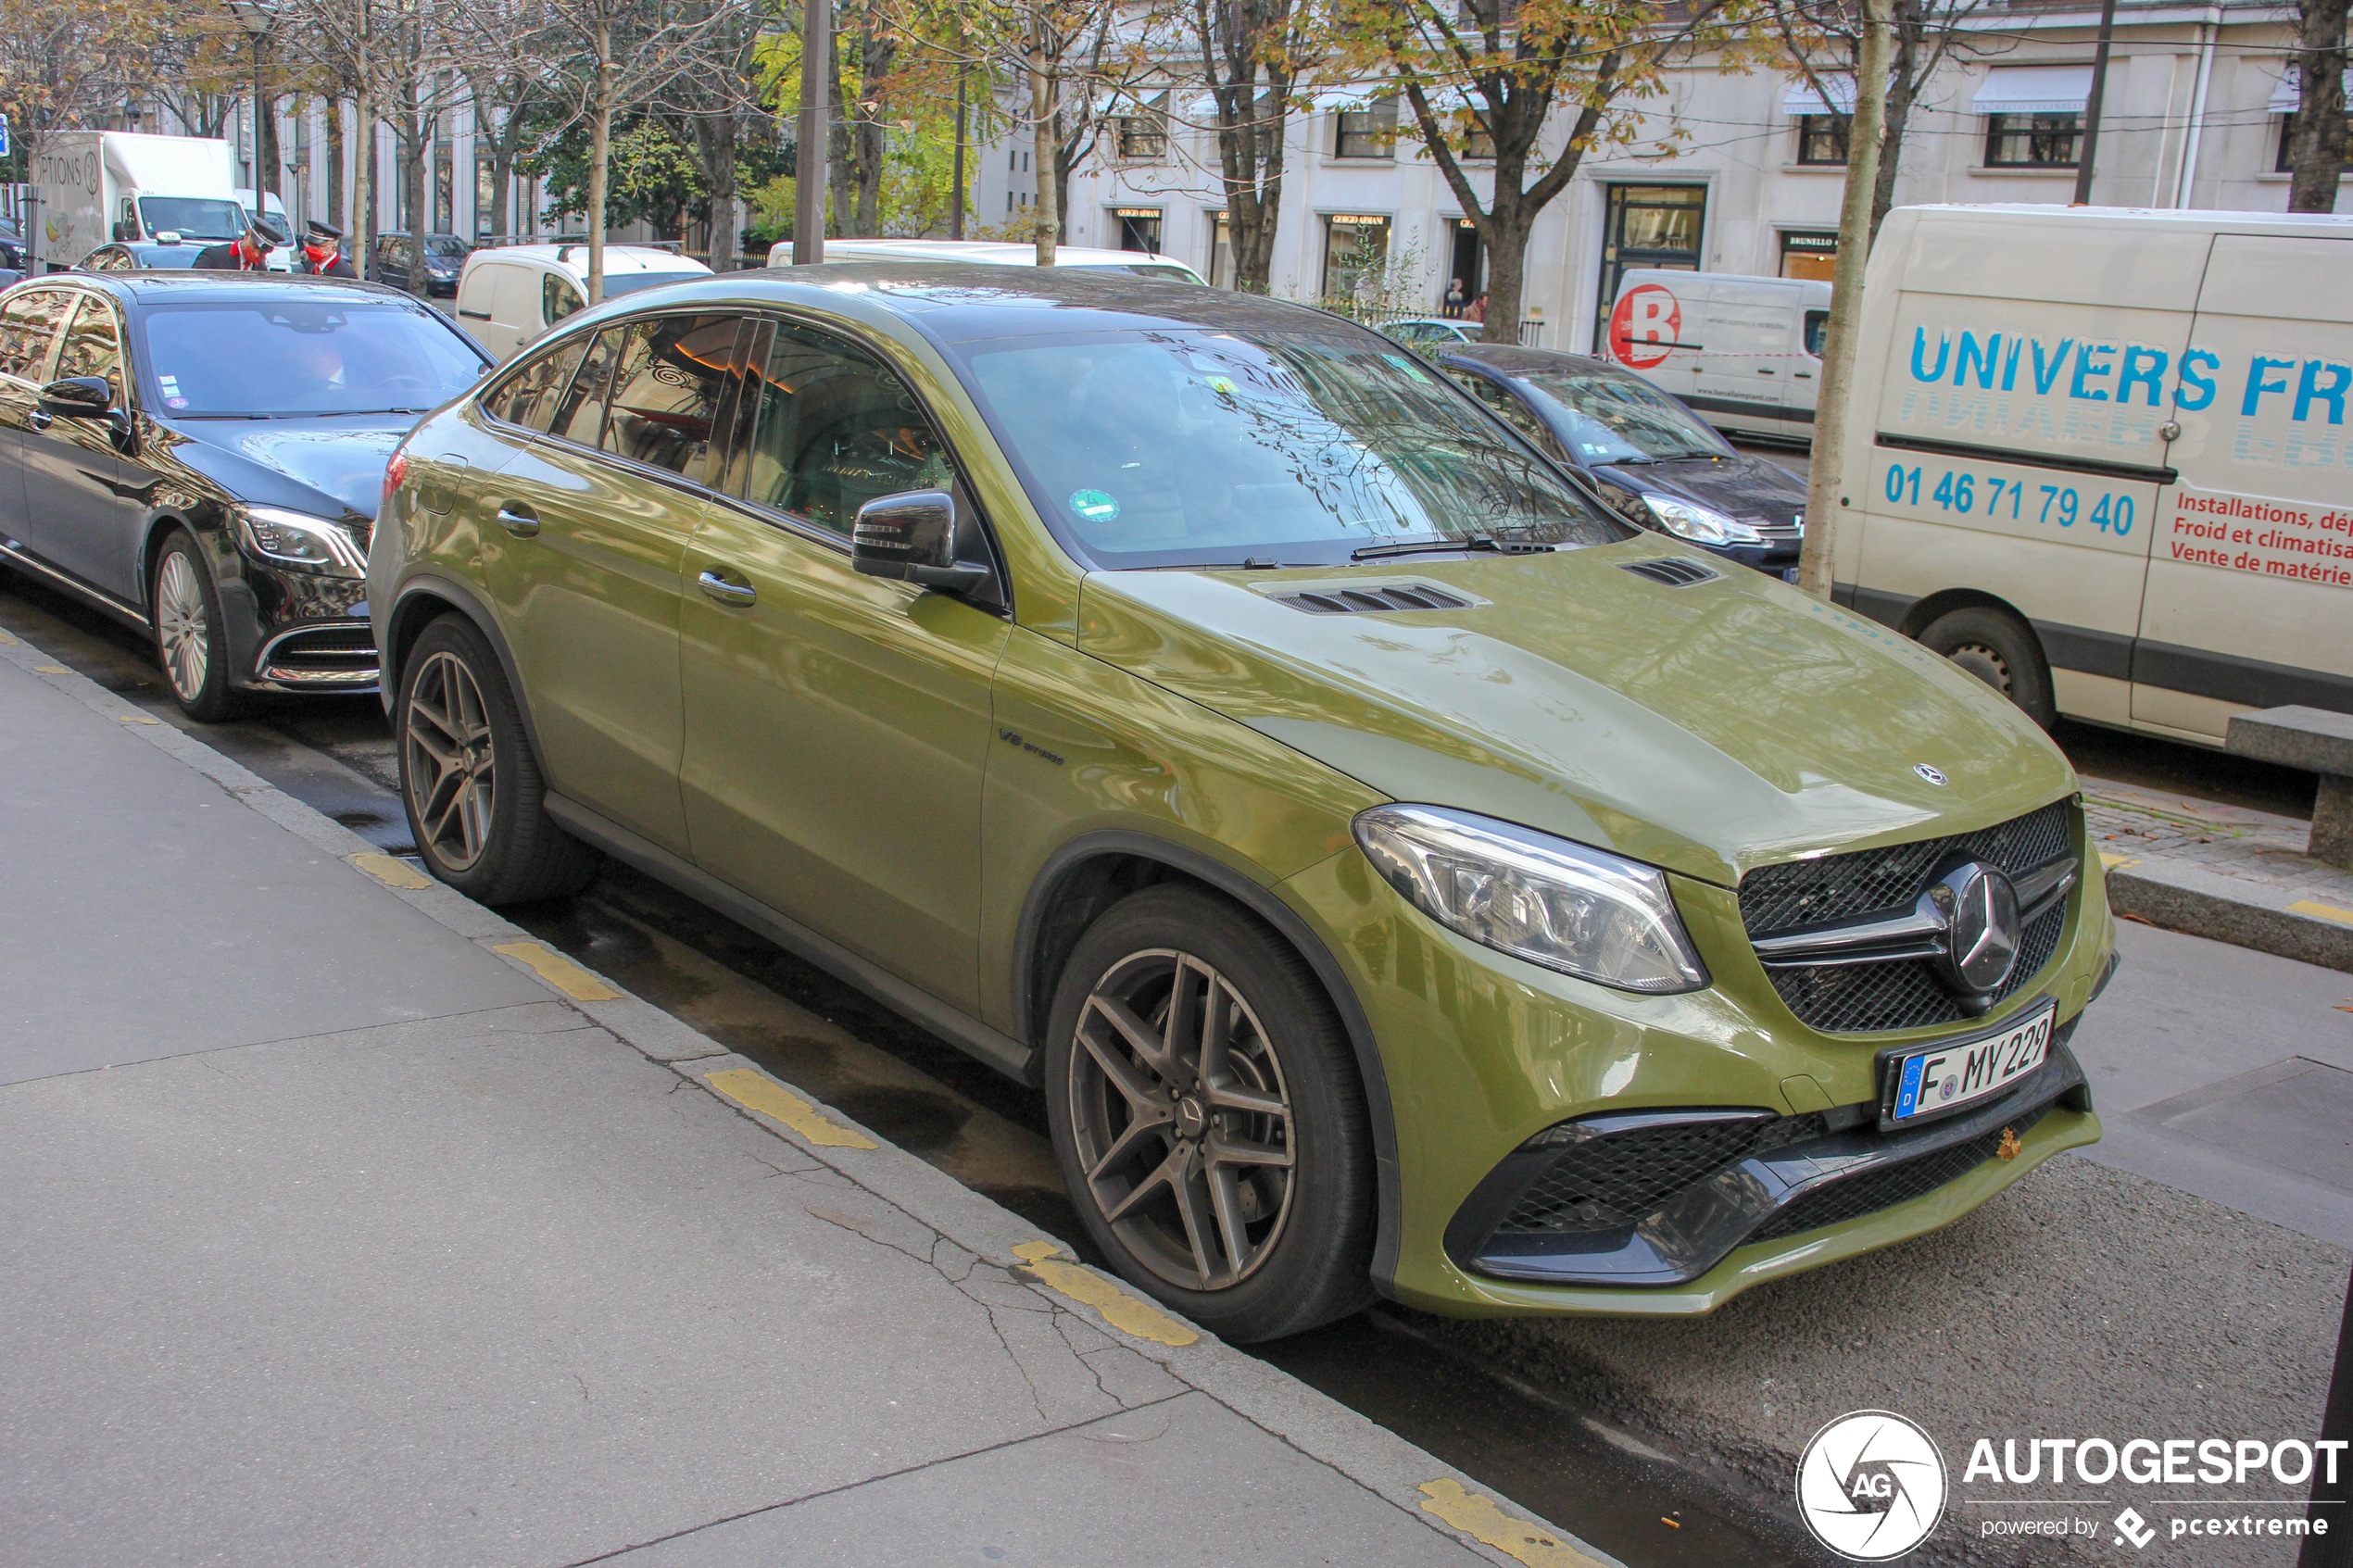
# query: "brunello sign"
[1645,326]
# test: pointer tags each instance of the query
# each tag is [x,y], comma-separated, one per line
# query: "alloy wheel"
[450,763]
[1181,1120]
[183,632]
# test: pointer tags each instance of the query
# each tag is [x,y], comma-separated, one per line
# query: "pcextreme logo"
[1870,1486]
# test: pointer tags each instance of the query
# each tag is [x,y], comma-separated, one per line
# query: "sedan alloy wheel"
[183,632]
[452,764]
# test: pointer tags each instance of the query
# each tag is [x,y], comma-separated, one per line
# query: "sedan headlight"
[1564,905]
[301,541]
[1701,525]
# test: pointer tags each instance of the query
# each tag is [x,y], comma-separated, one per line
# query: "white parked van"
[2102,457]
[994,253]
[1745,352]
[506,297]
[102,186]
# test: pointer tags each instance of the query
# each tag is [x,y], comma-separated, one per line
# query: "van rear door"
[2250,596]
[1744,360]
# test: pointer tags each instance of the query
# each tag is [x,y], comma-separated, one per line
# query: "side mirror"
[126,230]
[912,538]
[78,398]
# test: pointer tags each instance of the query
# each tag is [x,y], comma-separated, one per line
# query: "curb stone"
[1322,1429]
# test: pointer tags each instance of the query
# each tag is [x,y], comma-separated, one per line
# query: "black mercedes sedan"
[200,454]
[1652,459]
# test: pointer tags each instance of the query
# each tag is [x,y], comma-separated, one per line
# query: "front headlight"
[301,541]
[1702,525]
[1564,905]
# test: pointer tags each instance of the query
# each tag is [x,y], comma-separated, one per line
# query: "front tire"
[1208,1117]
[191,643]
[471,786]
[1999,649]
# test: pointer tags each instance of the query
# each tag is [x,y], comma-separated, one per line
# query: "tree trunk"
[599,159]
[1903,88]
[1823,499]
[265,158]
[416,147]
[840,161]
[2317,133]
[1046,214]
[337,213]
[1505,233]
[362,231]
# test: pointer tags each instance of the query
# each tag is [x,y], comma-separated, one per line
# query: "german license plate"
[1933,1080]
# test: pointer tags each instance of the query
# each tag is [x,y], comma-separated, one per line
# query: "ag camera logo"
[1870,1486]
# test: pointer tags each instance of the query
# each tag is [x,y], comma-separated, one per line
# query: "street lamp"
[254,17]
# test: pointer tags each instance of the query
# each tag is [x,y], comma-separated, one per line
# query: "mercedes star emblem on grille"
[1982,928]
[1931,774]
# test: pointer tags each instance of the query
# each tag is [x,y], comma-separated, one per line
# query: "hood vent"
[1388,596]
[1676,571]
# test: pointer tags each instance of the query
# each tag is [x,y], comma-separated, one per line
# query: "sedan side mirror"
[912,537]
[85,398]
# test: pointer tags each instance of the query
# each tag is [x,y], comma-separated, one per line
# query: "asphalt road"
[2091,1298]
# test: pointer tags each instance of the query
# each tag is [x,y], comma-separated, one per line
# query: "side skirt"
[999,1050]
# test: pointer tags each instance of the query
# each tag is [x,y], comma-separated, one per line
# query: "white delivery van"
[1745,352]
[2102,457]
[102,186]
[508,296]
[996,253]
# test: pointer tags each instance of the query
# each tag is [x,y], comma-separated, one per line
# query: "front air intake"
[1676,571]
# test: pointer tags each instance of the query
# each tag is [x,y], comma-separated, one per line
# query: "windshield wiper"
[1480,541]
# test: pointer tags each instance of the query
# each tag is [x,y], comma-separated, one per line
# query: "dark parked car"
[1654,460]
[445,258]
[200,454]
[142,255]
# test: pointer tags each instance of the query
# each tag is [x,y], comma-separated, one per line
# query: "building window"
[1138,228]
[1821,138]
[2032,141]
[1221,251]
[1355,254]
[1367,132]
[2287,136]
[1143,137]
[1808,255]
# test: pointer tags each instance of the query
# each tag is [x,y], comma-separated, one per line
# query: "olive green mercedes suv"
[1398,876]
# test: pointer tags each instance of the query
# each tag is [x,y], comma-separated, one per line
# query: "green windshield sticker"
[1224,384]
[1093,504]
[1408,367]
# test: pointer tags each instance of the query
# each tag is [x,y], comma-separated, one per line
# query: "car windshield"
[193,217]
[1200,448]
[287,357]
[445,245]
[630,283]
[1611,419]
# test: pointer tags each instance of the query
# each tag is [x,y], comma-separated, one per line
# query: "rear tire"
[1238,1189]
[192,645]
[1999,649]
[471,786]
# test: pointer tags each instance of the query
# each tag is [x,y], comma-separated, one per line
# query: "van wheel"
[470,781]
[1999,649]
[1208,1118]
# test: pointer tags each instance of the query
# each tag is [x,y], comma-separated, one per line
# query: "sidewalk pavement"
[2225,871]
[343,1223]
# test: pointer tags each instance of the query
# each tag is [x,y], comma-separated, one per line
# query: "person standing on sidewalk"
[323,253]
[248,252]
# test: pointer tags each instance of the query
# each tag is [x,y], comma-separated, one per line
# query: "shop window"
[2032,141]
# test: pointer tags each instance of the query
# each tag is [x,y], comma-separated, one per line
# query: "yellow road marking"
[137,719]
[1123,1312]
[756,1091]
[1479,1518]
[560,971]
[2322,911]
[51,670]
[391,871]
[6,638]
[2112,862]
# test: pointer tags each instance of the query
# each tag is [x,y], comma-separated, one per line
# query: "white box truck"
[2103,458]
[102,186]
[1745,352]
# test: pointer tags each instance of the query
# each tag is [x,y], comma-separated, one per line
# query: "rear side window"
[1817,332]
[529,395]
[580,415]
[27,323]
[669,375]
[835,428]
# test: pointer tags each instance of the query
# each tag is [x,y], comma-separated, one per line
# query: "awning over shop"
[1352,95]
[1802,99]
[2033,90]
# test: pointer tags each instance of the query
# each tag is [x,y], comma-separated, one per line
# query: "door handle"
[518,519]
[40,420]
[726,593]
[1765,372]
[1801,375]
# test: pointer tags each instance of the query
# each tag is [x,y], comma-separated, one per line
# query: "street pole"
[2092,107]
[809,166]
[1823,501]
[956,199]
[2332,1484]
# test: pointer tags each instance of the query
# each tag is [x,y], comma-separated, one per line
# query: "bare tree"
[2316,146]
[1249,54]
[503,85]
[713,104]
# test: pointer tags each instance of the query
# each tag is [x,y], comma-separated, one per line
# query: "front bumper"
[297,632]
[1481,1053]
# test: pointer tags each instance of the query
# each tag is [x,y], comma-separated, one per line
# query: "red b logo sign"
[1645,326]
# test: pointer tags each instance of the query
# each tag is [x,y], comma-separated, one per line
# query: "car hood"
[1738,487]
[1705,729]
[338,462]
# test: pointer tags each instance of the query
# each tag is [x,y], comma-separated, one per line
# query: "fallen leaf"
[2010,1147]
